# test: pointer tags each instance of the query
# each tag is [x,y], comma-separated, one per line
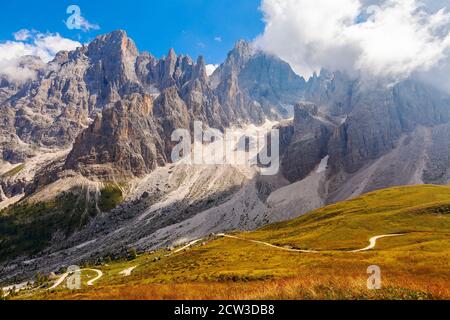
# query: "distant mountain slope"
[386,136]
[76,87]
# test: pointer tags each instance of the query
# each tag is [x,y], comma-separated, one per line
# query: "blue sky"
[208,27]
[396,39]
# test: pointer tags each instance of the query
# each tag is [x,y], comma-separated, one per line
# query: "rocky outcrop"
[379,116]
[182,94]
[122,141]
[308,144]
[259,77]
[69,92]
[332,92]
[111,73]
[356,122]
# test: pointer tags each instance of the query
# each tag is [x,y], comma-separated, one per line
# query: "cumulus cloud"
[30,43]
[387,38]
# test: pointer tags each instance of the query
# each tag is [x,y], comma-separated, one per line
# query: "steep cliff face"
[332,92]
[354,121]
[308,144]
[371,129]
[242,91]
[69,92]
[111,72]
[172,70]
[121,142]
[379,116]
[261,79]
[367,128]
[51,110]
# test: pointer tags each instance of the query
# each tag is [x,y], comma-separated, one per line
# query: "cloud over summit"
[30,43]
[387,38]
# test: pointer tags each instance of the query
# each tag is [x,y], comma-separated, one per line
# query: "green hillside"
[419,212]
[414,265]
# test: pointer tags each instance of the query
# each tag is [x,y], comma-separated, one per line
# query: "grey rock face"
[372,128]
[51,110]
[332,92]
[123,141]
[143,99]
[69,92]
[183,93]
[111,73]
[379,116]
[259,77]
[308,144]
[377,135]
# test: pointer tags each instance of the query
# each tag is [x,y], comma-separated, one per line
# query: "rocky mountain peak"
[171,56]
[235,62]
[116,41]
[200,70]
[170,63]
[243,49]
[112,70]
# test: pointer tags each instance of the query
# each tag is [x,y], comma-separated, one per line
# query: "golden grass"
[306,287]
[414,266]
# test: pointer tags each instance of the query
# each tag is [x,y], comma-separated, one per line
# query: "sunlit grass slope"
[414,265]
[422,212]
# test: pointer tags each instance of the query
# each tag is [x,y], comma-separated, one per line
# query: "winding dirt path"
[127,272]
[373,243]
[266,244]
[190,244]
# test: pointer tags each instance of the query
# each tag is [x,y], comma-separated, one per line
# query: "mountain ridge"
[99,119]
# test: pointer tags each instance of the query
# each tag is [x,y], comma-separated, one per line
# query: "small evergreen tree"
[132,254]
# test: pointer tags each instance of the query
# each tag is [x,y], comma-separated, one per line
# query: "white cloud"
[210,68]
[82,24]
[22,35]
[45,46]
[86,25]
[218,39]
[388,38]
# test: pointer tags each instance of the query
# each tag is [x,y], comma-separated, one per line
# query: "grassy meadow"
[414,265]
